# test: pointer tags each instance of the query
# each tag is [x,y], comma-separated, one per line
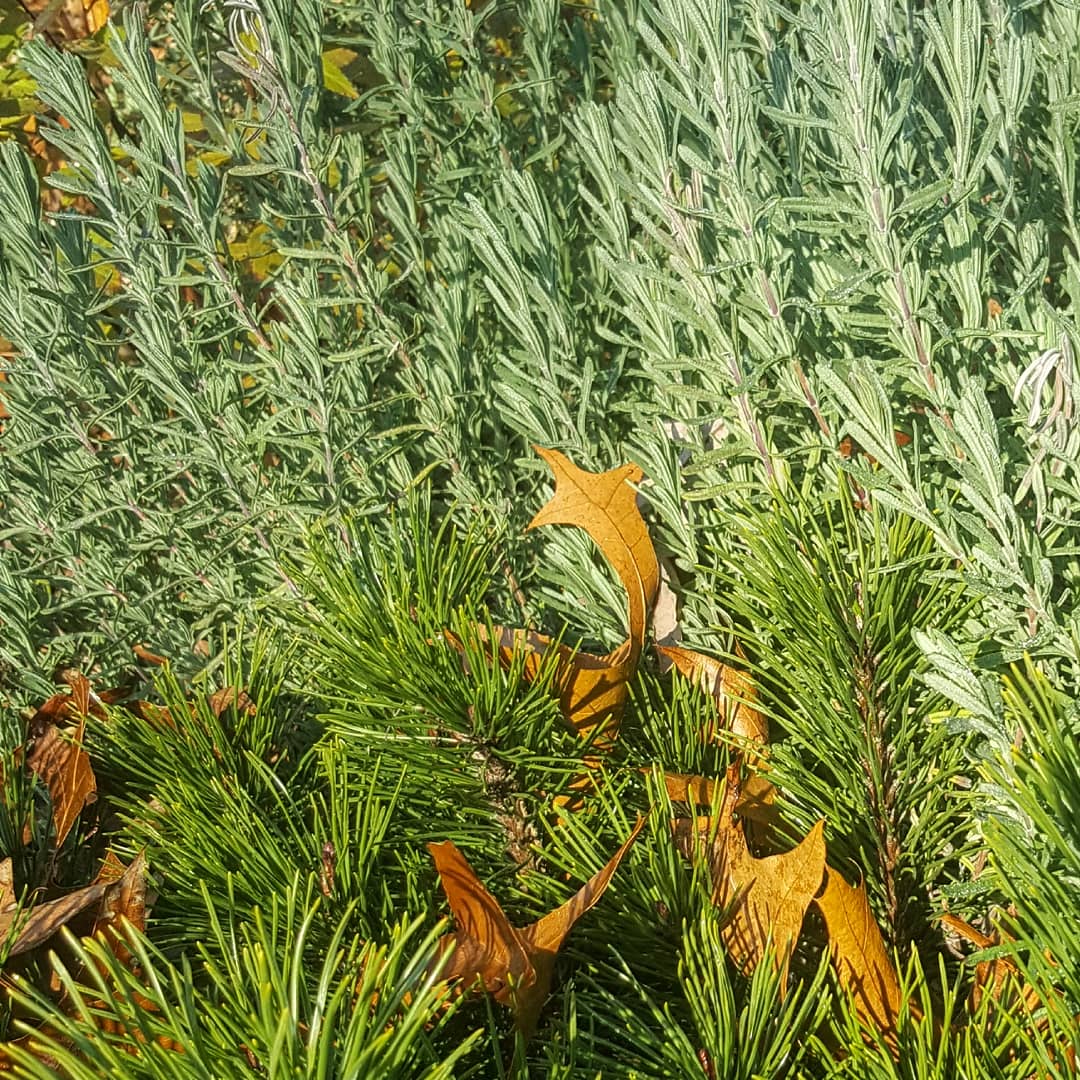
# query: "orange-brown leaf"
[123,899]
[766,899]
[7,887]
[71,20]
[544,938]
[862,962]
[46,919]
[993,976]
[147,657]
[486,946]
[732,689]
[64,766]
[772,897]
[592,689]
[694,790]
[156,715]
[231,696]
[605,506]
[755,801]
[515,966]
[78,700]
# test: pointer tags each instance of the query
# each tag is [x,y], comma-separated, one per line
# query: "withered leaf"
[687,788]
[117,891]
[147,657]
[592,689]
[78,700]
[732,689]
[70,20]
[231,696]
[514,965]
[605,506]
[772,897]
[766,899]
[7,887]
[993,976]
[756,799]
[124,899]
[126,896]
[46,919]
[59,758]
[858,952]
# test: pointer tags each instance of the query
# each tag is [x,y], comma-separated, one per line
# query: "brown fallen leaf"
[756,800]
[45,920]
[123,900]
[766,899]
[732,689]
[605,506]
[326,870]
[59,759]
[147,657]
[77,700]
[7,887]
[592,689]
[772,897]
[858,952]
[993,976]
[227,696]
[684,787]
[514,965]
[157,716]
[119,892]
[592,693]
[68,20]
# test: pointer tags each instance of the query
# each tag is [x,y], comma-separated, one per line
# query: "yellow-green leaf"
[333,60]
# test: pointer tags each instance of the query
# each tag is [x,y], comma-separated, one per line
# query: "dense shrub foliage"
[306,284]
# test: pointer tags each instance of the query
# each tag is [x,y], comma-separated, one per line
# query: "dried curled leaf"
[46,919]
[118,891]
[58,757]
[687,788]
[756,800]
[231,697]
[666,629]
[766,899]
[593,689]
[605,506]
[732,689]
[7,885]
[772,897]
[514,965]
[69,20]
[858,952]
[123,900]
[147,656]
[996,976]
